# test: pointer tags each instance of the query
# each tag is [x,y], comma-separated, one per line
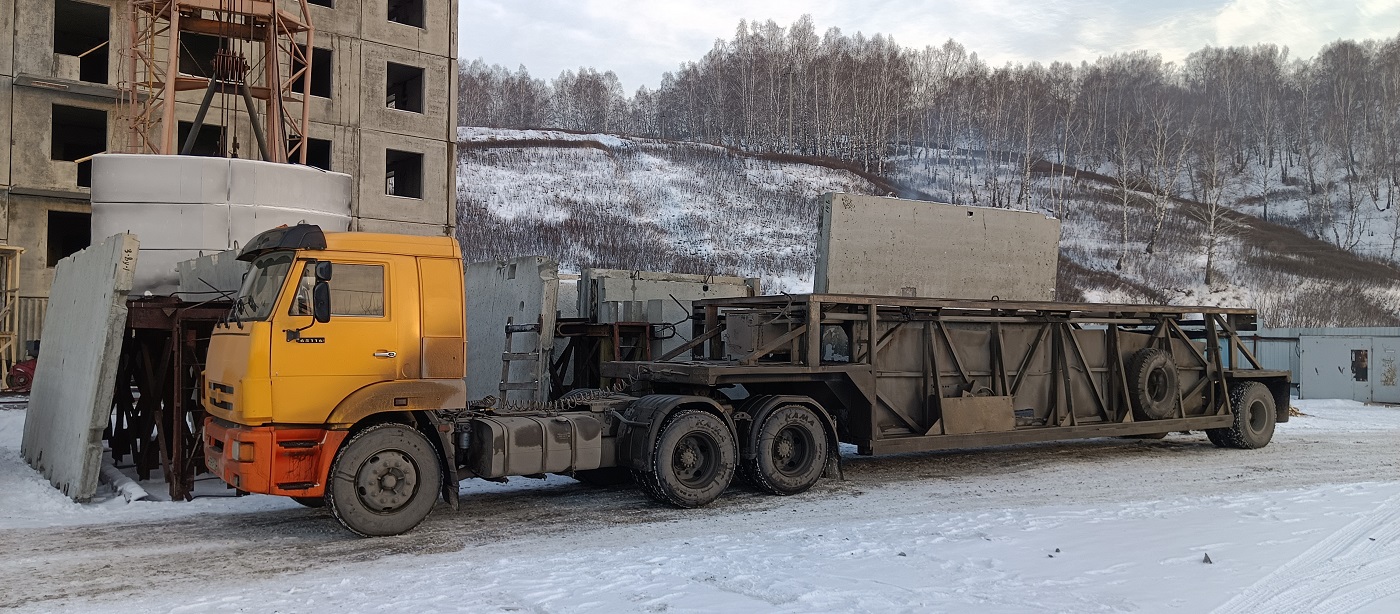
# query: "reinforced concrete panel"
[72,397]
[674,292]
[185,206]
[212,273]
[525,291]
[897,247]
[436,36]
[439,198]
[5,122]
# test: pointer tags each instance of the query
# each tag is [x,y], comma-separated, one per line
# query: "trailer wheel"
[1217,437]
[384,480]
[1254,417]
[692,461]
[790,451]
[1154,384]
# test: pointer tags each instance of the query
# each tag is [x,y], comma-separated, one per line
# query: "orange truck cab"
[334,356]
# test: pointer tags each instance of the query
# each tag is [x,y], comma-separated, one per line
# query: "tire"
[1154,384]
[692,460]
[1217,437]
[1254,418]
[311,502]
[607,476]
[384,481]
[790,451]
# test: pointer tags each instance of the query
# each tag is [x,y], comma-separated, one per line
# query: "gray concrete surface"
[186,206]
[217,272]
[674,291]
[526,290]
[891,246]
[72,397]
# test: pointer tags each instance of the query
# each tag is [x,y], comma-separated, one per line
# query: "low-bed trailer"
[337,380]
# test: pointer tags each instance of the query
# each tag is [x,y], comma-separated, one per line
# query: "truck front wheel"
[692,461]
[384,481]
[789,452]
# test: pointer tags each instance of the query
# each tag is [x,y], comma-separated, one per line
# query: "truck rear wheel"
[692,461]
[384,481]
[1254,418]
[790,451]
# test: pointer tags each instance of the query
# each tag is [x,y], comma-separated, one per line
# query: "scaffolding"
[261,62]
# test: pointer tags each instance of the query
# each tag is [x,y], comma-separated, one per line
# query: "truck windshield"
[260,287]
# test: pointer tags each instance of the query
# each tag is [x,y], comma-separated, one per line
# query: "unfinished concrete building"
[381,109]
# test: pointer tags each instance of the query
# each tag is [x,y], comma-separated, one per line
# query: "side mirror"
[323,270]
[321,297]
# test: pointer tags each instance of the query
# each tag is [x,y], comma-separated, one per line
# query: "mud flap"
[447,454]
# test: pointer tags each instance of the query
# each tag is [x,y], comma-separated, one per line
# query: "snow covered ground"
[1310,523]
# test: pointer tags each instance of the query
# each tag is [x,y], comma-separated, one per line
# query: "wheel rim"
[1157,385]
[1258,418]
[792,451]
[696,460]
[387,481]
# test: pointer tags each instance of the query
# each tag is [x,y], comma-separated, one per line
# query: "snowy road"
[1310,523]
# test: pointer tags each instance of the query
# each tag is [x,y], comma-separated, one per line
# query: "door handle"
[385,354]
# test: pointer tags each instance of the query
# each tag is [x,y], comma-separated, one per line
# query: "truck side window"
[356,290]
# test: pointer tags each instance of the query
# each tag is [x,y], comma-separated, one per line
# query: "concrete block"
[217,272]
[72,397]
[675,291]
[186,206]
[525,290]
[896,247]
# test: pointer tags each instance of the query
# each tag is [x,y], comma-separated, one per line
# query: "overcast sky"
[641,39]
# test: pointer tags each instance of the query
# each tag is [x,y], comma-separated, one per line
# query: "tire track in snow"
[1354,566]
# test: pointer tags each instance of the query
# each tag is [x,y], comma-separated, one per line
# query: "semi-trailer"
[337,380]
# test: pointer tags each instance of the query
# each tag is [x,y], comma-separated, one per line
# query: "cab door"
[316,365]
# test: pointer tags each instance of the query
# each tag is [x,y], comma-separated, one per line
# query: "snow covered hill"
[610,201]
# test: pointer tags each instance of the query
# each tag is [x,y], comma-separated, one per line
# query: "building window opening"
[197,53]
[318,153]
[322,68]
[330,4]
[1360,365]
[406,12]
[208,143]
[69,232]
[404,85]
[77,134]
[81,33]
[403,174]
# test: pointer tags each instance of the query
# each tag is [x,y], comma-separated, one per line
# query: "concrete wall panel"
[437,95]
[343,18]
[597,287]
[890,246]
[33,47]
[525,289]
[31,162]
[77,369]
[5,219]
[7,47]
[220,271]
[436,37]
[393,227]
[5,128]
[218,204]
[439,193]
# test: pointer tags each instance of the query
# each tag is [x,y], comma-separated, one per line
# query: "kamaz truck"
[337,380]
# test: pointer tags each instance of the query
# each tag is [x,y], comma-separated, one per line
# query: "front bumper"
[272,460]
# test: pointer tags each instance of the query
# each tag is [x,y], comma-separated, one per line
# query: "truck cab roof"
[311,237]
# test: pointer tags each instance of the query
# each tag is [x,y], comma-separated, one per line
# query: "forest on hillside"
[1228,126]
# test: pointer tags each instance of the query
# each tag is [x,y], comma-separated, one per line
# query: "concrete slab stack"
[183,207]
[891,246]
[72,396]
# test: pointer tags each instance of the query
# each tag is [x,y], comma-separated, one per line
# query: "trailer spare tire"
[384,480]
[692,460]
[1153,384]
[1253,407]
[790,451]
